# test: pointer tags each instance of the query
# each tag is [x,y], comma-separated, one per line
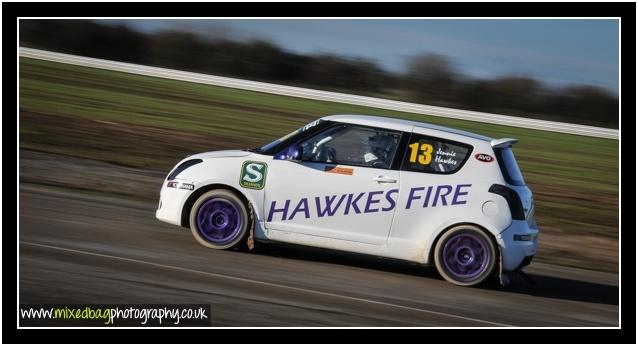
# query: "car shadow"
[544,286]
[560,288]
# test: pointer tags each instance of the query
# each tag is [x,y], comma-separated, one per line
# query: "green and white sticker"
[253,175]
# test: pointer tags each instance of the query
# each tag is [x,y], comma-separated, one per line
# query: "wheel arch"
[188,205]
[430,258]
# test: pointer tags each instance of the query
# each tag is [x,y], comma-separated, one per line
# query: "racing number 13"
[423,152]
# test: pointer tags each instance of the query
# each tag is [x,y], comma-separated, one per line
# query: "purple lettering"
[412,197]
[283,210]
[389,198]
[458,193]
[302,206]
[371,201]
[328,210]
[427,197]
[353,203]
[439,194]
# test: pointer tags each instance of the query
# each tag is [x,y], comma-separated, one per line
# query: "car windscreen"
[274,143]
[509,166]
[278,144]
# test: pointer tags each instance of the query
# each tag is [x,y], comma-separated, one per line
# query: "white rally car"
[380,186]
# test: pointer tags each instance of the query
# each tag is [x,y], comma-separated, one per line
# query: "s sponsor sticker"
[253,175]
[484,157]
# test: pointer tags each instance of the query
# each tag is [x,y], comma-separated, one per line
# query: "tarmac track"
[84,248]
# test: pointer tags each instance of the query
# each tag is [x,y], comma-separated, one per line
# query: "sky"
[555,51]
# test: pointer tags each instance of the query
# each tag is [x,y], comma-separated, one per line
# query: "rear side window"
[509,166]
[434,155]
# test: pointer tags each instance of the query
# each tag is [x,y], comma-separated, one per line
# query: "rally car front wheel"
[219,220]
[465,255]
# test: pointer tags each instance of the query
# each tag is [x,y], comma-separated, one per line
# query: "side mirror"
[292,153]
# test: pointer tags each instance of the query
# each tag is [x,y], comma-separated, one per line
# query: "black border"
[627,12]
[319,9]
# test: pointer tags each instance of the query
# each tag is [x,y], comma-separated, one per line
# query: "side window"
[434,155]
[352,145]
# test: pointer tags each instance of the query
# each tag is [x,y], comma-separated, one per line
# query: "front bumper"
[518,253]
[172,200]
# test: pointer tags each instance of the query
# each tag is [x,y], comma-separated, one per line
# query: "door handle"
[383,179]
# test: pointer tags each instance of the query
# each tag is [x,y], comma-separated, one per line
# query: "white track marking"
[229,277]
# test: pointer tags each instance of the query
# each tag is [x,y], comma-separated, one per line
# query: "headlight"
[184,165]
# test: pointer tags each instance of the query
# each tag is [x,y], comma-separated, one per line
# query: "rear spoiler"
[503,142]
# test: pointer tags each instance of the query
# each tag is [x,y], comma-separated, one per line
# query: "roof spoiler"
[503,142]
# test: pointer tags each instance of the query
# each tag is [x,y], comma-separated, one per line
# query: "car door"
[432,190]
[342,187]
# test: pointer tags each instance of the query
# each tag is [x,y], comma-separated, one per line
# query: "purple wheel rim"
[466,256]
[218,220]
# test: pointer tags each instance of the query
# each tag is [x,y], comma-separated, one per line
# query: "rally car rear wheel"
[219,220]
[465,255]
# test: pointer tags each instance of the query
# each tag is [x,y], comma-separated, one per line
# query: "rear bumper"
[518,253]
[526,261]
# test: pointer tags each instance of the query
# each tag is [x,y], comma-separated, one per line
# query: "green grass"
[575,178]
[121,97]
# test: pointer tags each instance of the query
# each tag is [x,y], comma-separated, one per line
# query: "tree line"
[429,78]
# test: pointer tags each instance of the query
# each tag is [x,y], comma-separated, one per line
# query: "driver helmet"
[379,147]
